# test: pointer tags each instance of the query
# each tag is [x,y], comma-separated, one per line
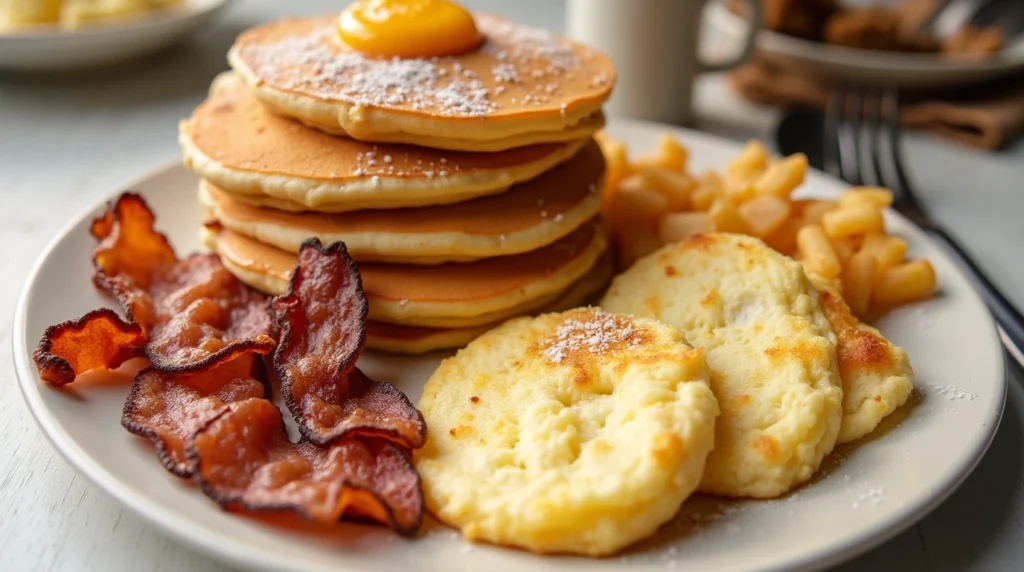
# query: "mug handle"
[754,15]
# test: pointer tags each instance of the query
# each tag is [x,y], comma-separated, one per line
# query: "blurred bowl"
[52,48]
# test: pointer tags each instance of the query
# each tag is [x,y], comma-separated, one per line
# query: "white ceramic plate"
[870,492]
[867,66]
[48,49]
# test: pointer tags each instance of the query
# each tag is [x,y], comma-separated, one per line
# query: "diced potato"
[738,188]
[709,188]
[631,206]
[844,249]
[854,219]
[878,196]
[726,217]
[783,239]
[653,200]
[751,161]
[676,227]
[887,250]
[702,198]
[671,153]
[782,177]
[617,165]
[675,187]
[907,282]
[858,277]
[764,214]
[817,254]
[634,245]
[811,210]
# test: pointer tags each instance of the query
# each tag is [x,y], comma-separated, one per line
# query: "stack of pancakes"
[466,188]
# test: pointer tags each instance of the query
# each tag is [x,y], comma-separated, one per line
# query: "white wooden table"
[64,143]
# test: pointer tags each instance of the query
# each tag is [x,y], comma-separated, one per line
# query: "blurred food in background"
[32,14]
[894,27]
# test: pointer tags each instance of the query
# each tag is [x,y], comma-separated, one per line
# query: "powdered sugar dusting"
[952,392]
[374,164]
[591,331]
[318,64]
[872,496]
[315,64]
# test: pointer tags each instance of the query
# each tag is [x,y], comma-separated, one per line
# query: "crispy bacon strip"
[203,401]
[97,340]
[185,316]
[195,313]
[323,327]
[243,459]
[169,408]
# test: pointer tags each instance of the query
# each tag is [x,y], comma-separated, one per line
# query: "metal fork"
[862,147]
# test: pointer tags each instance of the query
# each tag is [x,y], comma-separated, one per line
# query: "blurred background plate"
[52,48]
[896,69]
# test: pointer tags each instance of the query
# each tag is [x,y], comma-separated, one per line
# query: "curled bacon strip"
[243,459]
[169,408]
[323,328]
[203,402]
[97,340]
[185,316]
[195,313]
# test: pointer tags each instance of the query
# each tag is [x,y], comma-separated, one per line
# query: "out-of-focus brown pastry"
[876,28]
[800,18]
[971,42]
[898,28]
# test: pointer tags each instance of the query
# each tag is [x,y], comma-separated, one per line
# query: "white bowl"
[56,49]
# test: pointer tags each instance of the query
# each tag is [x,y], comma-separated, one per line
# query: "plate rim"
[170,523]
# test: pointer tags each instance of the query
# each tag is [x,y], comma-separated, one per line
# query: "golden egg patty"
[574,432]
[877,376]
[770,351]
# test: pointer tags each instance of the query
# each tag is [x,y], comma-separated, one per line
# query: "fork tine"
[898,183]
[830,140]
[849,128]
[871,153]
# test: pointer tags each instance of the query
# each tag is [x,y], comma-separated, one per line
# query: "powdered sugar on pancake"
[524,67]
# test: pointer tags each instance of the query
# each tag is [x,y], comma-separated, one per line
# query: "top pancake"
[233,142]
[522,86]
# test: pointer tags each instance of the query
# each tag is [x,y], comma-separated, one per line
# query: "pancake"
[576,432]
[522,86]
[529,216]
[770,349]
[236,144]
[395,338]
[442,295]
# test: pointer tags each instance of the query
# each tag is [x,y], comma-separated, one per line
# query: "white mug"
[654,45]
